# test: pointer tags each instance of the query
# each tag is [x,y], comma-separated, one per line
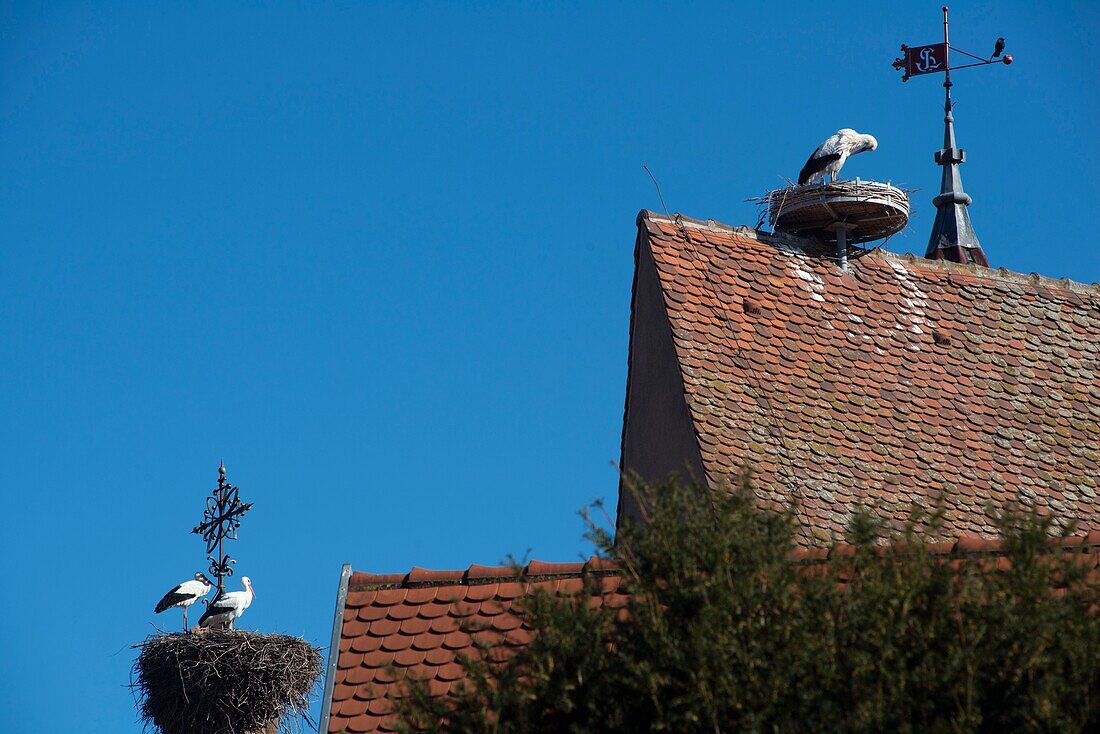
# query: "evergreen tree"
[729,629]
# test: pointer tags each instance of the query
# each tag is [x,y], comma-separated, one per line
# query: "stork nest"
[874,209]
[224,682]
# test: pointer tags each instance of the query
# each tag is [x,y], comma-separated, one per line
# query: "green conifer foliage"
[729,630]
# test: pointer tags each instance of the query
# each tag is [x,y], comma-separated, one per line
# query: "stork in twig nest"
[185,594]
[831,155]
[228,607]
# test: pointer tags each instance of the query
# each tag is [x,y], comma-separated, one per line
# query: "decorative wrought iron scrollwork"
[220,522]
[221,568]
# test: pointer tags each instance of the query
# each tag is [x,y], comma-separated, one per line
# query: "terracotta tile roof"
[422,622]
[419,622]
[900,380]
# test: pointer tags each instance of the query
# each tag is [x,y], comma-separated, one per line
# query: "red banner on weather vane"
[919,60]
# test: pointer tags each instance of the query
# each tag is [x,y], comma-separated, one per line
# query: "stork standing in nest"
[225,609]
[831,155]
[185,594]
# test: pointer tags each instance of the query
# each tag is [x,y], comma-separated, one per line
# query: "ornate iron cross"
[219,523]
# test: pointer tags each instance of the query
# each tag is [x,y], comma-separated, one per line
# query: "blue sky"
[378,257]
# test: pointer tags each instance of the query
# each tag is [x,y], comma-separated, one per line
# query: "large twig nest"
[224,682]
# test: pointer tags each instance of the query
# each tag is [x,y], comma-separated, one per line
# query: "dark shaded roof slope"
[422,622]
[898,381]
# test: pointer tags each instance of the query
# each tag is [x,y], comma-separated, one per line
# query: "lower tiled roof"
[422,623]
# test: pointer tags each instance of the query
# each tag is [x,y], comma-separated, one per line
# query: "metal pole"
[946,50]
[946,72]
[220,500]
[842,248]
[840,229]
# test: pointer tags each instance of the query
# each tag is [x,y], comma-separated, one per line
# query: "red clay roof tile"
[383,627]
[419,595]
[396,642]
[389,597]
[439,608]
[371,613]
[445,594]
[509,590]
[539,568]
[415,625]
[363,723]
[362,643]
[403,611]
[481,592]
[443,624]
[457,640]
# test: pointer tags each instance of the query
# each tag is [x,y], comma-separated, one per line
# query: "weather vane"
[220,522]
[953,236]
[934,58]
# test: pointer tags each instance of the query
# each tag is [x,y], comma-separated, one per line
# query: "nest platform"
[864,210]
[218,682]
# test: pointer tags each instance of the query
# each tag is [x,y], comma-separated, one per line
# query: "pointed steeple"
[953,235]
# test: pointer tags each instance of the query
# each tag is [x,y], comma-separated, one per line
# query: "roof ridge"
[983,273]
[977,272]
[965,544]
[713,225]
[477,575]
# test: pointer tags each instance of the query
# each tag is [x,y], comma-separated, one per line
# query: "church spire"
[953,235]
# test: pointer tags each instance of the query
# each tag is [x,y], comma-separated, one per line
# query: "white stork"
[184,595]
[831,155]
[228,607]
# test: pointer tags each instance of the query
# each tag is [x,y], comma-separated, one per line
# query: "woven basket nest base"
[870,210]
[224,682]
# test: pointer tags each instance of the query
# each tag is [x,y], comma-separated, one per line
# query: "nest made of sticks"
[224,682]
[874,209]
